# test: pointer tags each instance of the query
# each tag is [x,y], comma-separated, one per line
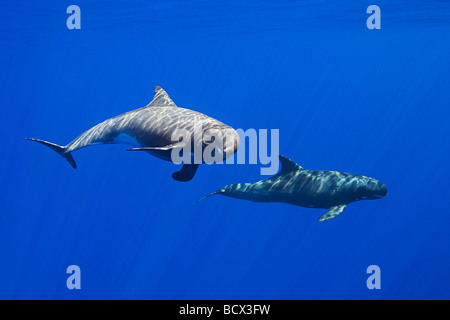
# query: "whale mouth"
[383,191]
[380,192]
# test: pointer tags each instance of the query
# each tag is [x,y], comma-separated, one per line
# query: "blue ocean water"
[372,102]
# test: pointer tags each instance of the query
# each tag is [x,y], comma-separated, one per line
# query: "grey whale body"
[150,129]
[330,190]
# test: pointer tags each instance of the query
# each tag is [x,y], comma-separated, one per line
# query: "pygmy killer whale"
[150,129]
[330,190]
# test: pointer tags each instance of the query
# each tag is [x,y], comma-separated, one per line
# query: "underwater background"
[345,98]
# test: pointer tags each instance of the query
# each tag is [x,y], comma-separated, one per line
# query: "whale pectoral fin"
[186,173]
[333,212]
[168,147]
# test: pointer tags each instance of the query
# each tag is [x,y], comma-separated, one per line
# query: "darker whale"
[330,190]
[150,129]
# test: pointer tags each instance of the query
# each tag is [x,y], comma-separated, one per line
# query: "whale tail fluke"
[209,195]
[62,151]
[220,191]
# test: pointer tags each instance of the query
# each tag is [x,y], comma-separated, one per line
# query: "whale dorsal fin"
[287,165]
[161,99]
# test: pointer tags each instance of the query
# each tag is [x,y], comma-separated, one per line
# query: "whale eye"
[209,136]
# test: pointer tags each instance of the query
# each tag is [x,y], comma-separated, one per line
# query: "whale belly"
[124,138]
